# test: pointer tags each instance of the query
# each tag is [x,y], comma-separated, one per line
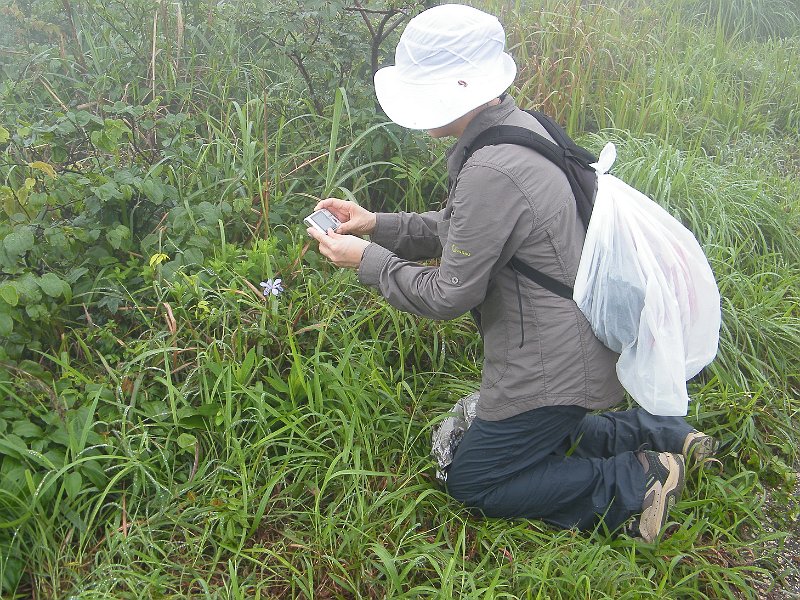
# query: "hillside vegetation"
[167,431]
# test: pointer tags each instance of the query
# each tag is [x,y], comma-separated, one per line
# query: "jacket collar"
[488,117]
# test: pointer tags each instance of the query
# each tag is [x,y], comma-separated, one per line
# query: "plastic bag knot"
[607,157]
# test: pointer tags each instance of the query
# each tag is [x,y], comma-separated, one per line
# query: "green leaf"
[28,287]
[207,410]
[100,140]
[94,473]
[57,456]
[186,441]
[12,573]
[191,417]
[153,190]
[37,312]
[7,200]
[4,135]
[108,191]
[76,273]
[6,324]
[126,176]
[9,294]
[19,241]
[44,167]
[73,483]
[12,414]
[53,285]
[82,118]
[192,256]
[193,422]
[117,236]
[245,369]
[208,212]
[14,445]
[26,429]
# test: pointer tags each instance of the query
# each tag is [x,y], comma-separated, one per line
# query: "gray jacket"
[507,201]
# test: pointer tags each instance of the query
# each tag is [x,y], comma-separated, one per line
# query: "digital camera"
[322,220]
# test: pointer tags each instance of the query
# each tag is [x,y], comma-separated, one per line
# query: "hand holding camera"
[322,220]
[330,225]
[353,219]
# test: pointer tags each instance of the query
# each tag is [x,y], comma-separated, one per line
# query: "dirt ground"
[782,558]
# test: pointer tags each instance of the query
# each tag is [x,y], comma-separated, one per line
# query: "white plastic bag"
[648,292]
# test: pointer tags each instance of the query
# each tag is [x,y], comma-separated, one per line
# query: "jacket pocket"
[442,230]
[495,339]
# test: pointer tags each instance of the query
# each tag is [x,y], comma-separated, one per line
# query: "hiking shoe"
[664,478]
[699,447]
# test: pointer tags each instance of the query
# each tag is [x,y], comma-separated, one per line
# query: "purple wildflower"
[272,287]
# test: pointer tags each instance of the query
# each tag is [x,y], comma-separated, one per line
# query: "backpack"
[643,282]
[574,160]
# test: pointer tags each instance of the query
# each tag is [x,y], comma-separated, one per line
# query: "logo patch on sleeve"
[458,250]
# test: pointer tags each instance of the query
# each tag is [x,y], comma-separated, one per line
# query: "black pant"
[561,464]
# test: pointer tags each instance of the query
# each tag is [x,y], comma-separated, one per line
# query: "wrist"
[357,253]
[372,223]
[363,252]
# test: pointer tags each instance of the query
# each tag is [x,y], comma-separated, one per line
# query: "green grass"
[167,432]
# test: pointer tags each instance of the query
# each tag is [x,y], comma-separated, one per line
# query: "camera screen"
[324,221]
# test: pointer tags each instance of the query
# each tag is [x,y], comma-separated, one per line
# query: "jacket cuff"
[373,261]
[387,229]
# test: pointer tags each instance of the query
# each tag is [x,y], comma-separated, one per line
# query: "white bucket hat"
[450,60]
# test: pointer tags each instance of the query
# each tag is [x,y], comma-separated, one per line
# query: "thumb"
[344,228]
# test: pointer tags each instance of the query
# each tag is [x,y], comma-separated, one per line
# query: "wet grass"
[206,442]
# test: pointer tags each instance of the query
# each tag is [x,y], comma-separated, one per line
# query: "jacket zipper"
[519,305]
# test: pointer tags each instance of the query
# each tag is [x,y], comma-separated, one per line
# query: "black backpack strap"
[511,134]
[574,160]
[561,138]
[582,180]
[535,275]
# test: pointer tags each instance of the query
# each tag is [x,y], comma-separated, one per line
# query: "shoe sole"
[669,494]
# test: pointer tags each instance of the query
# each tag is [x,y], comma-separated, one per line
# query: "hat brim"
[432,105]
